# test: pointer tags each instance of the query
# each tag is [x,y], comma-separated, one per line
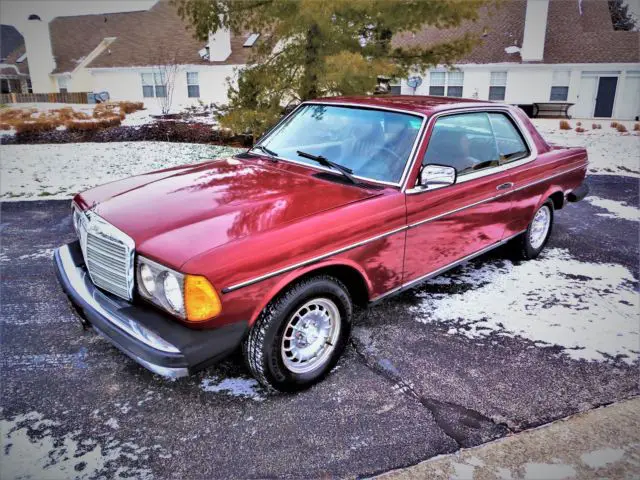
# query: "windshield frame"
[410,158]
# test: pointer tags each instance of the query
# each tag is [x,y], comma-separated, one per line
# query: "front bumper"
[151,338]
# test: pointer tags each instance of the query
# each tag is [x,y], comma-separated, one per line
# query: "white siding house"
[125,55]
[539,51]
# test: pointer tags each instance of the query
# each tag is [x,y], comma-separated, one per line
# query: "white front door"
[586,98]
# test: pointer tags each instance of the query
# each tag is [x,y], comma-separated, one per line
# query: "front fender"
[287,279]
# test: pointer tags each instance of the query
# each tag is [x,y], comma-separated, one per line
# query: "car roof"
[425,105]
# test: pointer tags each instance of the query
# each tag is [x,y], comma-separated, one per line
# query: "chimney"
[219,45]
[535,29]
[40,54]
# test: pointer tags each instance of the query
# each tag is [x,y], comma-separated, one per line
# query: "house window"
[455,80]
[63,84]
[193,86]
[395,90]
[437,81]
[560,86]
[451,82]
[154,85]
[497,85]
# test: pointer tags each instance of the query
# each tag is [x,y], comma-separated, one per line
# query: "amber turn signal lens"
[200,299]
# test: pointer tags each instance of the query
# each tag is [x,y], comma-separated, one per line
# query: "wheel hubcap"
[540,227]
[310,335]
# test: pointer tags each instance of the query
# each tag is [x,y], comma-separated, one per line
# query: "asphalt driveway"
[463,360]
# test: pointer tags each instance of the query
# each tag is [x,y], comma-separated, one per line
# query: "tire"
[277,354]
[525,246]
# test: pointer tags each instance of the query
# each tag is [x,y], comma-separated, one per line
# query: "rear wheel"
[299,336]
[529,245]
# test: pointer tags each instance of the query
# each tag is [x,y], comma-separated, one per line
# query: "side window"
[463,141]
[511,145]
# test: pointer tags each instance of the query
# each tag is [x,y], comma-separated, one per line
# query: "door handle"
[504,186]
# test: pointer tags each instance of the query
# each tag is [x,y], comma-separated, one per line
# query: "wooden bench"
[552,109]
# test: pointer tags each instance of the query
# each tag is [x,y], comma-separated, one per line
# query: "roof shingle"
[144,38]
[571,37]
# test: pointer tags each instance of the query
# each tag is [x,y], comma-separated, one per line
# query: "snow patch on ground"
[236,387]
[42,253]
[32,446]
[615,209]
[38,172]
[610,152]
[589,309]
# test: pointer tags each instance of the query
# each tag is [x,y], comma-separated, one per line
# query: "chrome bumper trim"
[157,369]
[97,301]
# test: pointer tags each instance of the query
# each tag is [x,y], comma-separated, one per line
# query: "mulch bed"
[165,131]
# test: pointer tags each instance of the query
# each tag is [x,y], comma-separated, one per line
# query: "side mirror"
[437,176]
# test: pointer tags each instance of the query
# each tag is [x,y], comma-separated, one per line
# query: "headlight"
[173,292]
[191,297]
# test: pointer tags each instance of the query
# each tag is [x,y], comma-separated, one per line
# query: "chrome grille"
[108,255]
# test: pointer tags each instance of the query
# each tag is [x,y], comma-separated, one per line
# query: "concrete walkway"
[601,443]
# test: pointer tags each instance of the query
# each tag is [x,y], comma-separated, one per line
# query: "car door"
[456,221]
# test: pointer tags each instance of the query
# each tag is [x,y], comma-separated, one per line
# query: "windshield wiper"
[347,172]
[273,155]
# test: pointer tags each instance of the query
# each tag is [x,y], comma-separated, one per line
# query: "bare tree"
[165,73]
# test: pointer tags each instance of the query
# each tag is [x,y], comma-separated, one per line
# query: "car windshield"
[373,144]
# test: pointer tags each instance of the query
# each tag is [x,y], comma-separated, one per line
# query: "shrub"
[614,124]
[621,128]
[579,129]
[579,124]
[594,126]
[38,125]
[105,110]
[130,107]
[93,124]
[636,127]
[564,125]
[5,126]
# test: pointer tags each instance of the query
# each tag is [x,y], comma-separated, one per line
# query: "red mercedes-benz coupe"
[345,202]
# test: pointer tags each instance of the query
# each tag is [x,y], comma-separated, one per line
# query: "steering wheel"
[384,169]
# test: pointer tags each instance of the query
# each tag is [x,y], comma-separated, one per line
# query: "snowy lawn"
[52,171]
[610,152]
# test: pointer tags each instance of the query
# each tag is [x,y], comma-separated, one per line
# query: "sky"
[16,12]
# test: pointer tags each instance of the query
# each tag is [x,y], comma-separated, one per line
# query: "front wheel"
[529,245]
[299,337]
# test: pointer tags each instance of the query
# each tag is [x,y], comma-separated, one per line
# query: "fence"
[58,97]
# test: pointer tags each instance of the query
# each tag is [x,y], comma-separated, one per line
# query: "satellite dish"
[414,82]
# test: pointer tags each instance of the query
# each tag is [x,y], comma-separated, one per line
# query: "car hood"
[178,213]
